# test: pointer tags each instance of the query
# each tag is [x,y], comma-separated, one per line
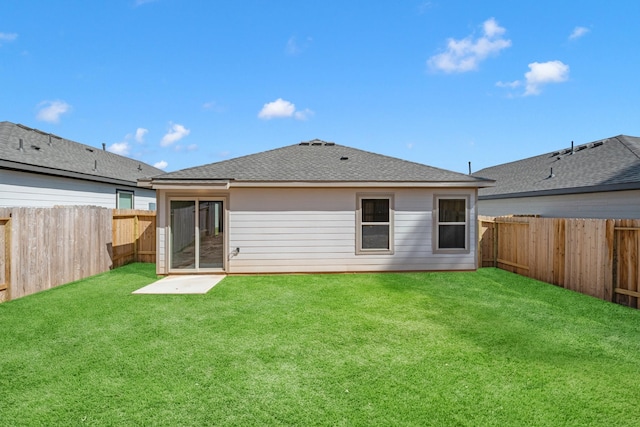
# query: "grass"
[466,349]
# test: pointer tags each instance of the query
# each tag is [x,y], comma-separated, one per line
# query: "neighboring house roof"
[316,162]
[605,165]
[45,153]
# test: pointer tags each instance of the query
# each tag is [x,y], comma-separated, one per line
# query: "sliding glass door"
[197,235]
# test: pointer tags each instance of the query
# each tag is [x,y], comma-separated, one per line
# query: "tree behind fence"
[41,248]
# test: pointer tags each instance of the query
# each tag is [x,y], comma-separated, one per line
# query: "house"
[600,179]
[38,169]
[315,207]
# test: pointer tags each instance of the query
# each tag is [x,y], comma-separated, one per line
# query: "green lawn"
[466,349]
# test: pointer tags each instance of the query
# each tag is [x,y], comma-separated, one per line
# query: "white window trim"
[360,223]
[133,198]
[436,224]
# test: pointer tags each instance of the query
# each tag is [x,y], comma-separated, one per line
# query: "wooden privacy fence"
[597,257]
[41,248]
[134,236]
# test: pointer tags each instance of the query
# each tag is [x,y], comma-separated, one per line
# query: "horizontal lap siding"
[161,234]
[603,205]
[293,230]
[35,190]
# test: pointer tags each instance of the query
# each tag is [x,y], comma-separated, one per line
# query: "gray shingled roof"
[318,161]
[603,165]
[49,154]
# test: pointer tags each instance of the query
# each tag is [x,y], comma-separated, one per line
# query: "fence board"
[559,253]
[589,257]
[597,257]
[41,248]
[486,244]
[134,236]
[513,244]
[5,256]
[626,273]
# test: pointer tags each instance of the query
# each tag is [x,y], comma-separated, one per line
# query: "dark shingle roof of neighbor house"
[604,165]
[319,161]
[45,153]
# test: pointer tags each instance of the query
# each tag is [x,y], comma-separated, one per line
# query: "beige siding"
[42,191]
[612,204]
[314,230]
[161,234]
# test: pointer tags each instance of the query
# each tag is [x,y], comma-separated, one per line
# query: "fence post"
[612,243]
[495,244]
[6,286]
[136,238]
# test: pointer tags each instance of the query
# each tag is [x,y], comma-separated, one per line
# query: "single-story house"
[315,207]
[38,169]
[599,179]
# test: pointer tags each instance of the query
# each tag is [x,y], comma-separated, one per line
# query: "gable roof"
[317,162]
[45,153]
[604,165]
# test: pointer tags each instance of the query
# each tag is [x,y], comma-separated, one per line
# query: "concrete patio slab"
[191,284]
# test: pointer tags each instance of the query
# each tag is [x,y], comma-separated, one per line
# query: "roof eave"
[159,183]
[42,170]
[172,184]
[564,191]
[358,184]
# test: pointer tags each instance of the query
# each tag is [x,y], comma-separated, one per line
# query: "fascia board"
[23,167]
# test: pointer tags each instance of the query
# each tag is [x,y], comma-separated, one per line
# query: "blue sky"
[181,83]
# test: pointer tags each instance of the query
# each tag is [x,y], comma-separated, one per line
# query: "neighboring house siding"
[314,230]
[612,204]
[36,190]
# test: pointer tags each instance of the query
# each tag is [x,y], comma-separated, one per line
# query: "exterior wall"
[314,230]
[162,229]
[35,190]
[604,205]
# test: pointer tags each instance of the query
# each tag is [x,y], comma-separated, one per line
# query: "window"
[124,199]
[374,224]
[452,224]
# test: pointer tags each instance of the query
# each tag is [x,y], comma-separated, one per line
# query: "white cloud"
[512,85]
[283,109]
[140,133]
[213,106]
[50,111]
[141,2]
[294,47]
[123,148]
[180,148]
[539,74]
[7,37]
[303,115]
[176,133]
[544,73]
[578,32]
[424,7]
[277,108]
[466,54]
[161,164]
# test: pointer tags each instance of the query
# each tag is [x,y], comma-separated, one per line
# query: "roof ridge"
[563,151]
[316,161]
[623,140]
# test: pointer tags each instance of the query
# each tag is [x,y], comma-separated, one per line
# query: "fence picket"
[41,248]
[597,257]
